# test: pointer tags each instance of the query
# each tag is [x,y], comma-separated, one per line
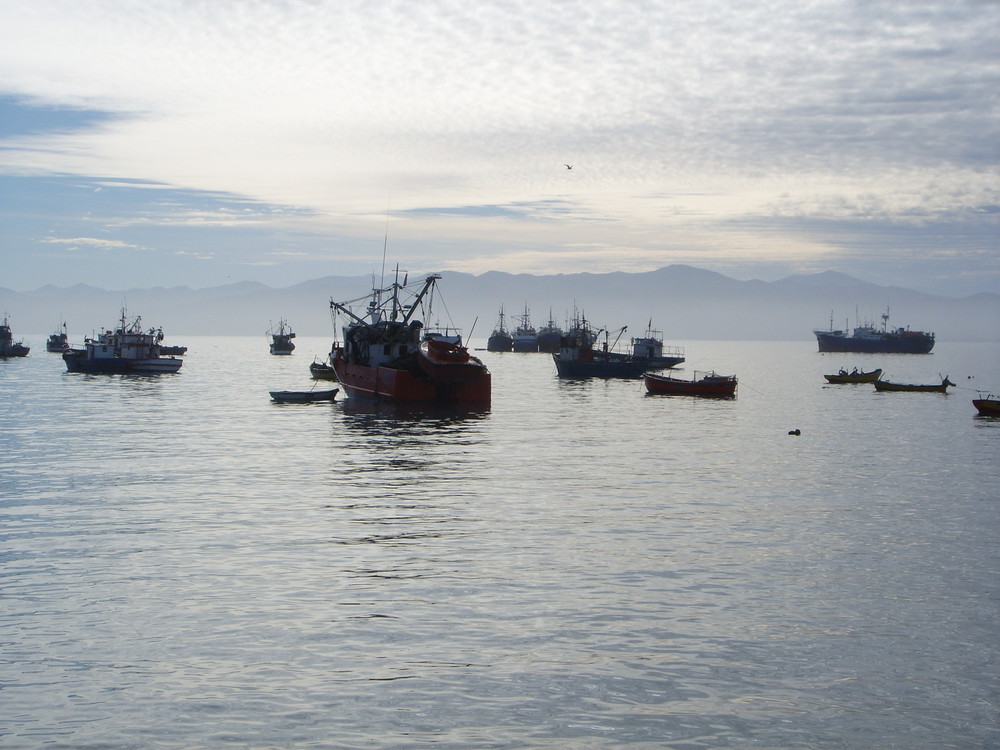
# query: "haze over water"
[186,564]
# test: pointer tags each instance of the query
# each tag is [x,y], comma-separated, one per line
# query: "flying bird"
[568,166]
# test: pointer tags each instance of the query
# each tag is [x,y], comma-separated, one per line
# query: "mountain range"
[684,302]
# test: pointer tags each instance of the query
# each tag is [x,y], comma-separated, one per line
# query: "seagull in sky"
[568,166]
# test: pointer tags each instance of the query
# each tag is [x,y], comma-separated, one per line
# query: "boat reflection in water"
[416,412]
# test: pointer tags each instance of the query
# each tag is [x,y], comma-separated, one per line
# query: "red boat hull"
[708,388]
[408,385]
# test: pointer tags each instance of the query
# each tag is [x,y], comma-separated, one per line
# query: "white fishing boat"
[126,350]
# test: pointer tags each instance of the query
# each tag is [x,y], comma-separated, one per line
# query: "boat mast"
[428,285]
[394,313]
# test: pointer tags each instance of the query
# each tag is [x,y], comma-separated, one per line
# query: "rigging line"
[744,385]
[970,388]
[385,243]
[440,301]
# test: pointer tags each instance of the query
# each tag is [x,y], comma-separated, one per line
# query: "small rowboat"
[709,386]
[854,377]
[987,406]
[885,385]
[322,371]
[304,397]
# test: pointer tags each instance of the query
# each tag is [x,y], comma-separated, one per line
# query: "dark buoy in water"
[796,431]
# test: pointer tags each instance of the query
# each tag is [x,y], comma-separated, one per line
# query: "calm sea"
[185,564]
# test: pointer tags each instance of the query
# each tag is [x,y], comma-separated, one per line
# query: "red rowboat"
[709,385]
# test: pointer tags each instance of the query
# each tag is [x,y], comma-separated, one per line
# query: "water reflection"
[987,421]
[403,481]
[381,437]
[419,412]
[579,567]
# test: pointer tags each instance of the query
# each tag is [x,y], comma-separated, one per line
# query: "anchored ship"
[385,356]
[500,340]
[9,347]
[281,338]
[126,350]
[876,340]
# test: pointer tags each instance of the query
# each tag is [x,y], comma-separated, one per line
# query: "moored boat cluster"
[387,355]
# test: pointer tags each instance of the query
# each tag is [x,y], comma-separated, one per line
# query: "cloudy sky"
[177,142]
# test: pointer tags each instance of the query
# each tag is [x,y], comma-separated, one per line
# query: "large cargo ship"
[870,339]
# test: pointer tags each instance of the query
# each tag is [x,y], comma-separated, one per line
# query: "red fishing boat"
[386,357]
[709,385]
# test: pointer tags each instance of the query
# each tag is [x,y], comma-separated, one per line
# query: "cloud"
[100,242]
[458,117]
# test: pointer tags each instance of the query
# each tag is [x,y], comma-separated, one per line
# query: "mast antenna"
[385,246]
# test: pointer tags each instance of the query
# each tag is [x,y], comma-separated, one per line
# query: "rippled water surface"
[186,564]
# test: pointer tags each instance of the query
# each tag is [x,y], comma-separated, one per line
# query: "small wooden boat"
[322,371]
[304,397]
[987,406]
[885,385]
[709,385]
[854,376]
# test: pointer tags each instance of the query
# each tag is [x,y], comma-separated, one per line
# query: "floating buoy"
[796,431]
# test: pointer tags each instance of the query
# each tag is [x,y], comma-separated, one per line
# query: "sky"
[196,143]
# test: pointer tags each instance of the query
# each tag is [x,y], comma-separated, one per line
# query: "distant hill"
[686,303]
